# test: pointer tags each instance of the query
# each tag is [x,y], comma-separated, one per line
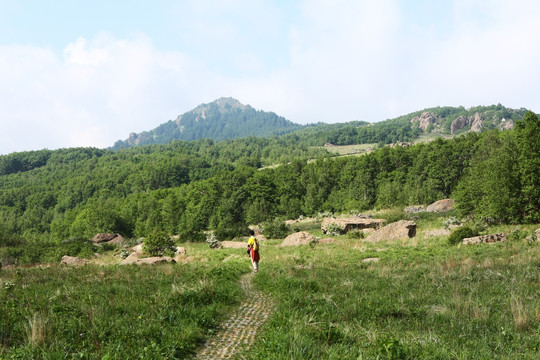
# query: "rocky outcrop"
[441,206]
[345,225]
[476,123]
[72,261]
[506,124]
[459,123]
[488,239]
[107,238]
[415,209]
[297,239]
[398,230]
[136,259]
[424,120]
[537,233]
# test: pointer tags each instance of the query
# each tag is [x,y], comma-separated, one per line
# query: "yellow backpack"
[255,244]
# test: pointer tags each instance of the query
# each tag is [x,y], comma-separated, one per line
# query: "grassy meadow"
[419,298]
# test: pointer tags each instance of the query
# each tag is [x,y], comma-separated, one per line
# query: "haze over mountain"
[224,118]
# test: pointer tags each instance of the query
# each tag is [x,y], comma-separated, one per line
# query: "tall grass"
[114,312]
[427,301]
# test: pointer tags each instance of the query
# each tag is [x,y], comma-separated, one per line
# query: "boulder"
[537,232]
[137,260]
[441,206]
[134,256]
[138,248]
[415,209]
[180,251]
[398,230]
[488,239]
[107,238]
[351,223]
[297,239]
[72,261]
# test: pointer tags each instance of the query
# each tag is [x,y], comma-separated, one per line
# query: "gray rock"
[488,239]
[398,230]
[441,206]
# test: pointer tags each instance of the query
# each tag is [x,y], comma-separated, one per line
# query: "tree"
[528,137]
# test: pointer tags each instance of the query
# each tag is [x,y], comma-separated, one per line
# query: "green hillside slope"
[225,118]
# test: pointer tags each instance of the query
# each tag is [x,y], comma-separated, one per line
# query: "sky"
[87,73]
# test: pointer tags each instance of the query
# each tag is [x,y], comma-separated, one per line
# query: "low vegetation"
[113,312]
[406,299]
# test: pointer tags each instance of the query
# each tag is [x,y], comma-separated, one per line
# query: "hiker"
[253,250]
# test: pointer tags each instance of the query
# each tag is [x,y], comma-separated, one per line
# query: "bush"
[334,229]
[213,241]
[356,234]
[223,234]
[191,235]
[461,233]
[158,243]
[275,229]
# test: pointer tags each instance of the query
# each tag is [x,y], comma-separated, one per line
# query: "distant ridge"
[224,118]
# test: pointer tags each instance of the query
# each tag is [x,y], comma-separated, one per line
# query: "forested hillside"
[225,118]
[407,128]
[186,188]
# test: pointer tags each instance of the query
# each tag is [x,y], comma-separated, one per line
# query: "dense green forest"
[185,188]
[222,119]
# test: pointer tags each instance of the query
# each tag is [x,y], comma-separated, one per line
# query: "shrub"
[461,233]
[356,234]
[191,235]
[158,243]
[224,234]
[451,221]
[334,229]
[213,241]
[275,229]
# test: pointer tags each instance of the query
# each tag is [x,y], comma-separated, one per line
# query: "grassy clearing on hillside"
[423,299]
[114,312]
[359,149]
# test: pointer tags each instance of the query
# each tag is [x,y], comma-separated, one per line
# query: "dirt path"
[238,332]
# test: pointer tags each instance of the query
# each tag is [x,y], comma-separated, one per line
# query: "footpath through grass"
[114,312]
[419,301]
[415,299]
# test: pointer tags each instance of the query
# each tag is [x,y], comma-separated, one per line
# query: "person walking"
[253,250]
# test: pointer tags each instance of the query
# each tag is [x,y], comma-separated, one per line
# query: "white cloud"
[92,96]
[329,61]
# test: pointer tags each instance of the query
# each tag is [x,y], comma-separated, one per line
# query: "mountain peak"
[224,118]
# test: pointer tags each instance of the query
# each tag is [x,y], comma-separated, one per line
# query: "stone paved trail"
[238,332]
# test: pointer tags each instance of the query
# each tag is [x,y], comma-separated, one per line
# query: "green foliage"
[457,236]
[356,234]
[109,312]
[186,188]
[342,308]
[219,120]
[275,229]
[158,243]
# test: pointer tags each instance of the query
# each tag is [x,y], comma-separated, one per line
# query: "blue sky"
[79,73]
